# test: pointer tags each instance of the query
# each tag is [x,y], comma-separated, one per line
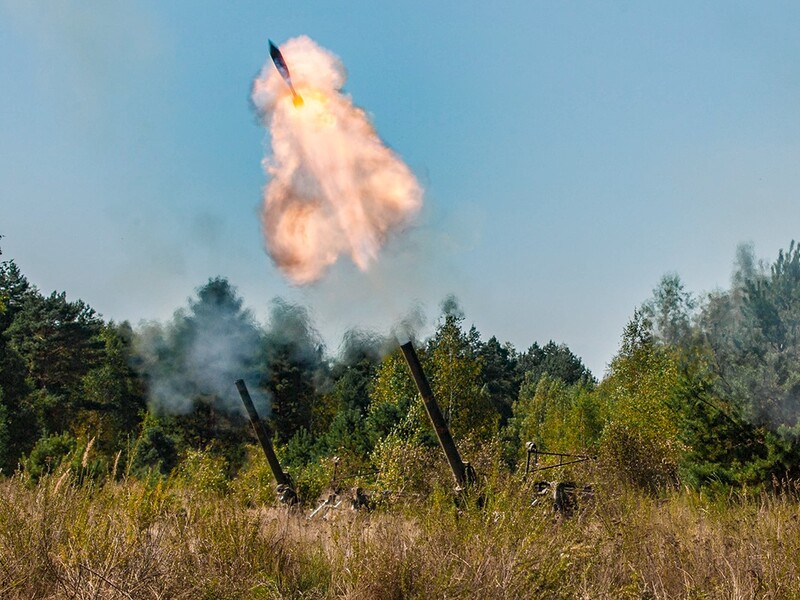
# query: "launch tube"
[435,415]
[262,434]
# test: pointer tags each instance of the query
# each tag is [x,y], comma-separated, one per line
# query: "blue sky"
[571,153]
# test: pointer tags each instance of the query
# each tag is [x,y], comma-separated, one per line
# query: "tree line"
[703,391]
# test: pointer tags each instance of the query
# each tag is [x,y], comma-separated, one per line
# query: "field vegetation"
[137,538]
[128,468]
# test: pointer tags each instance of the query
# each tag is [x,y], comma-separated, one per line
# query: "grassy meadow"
[179,538]
[127,469]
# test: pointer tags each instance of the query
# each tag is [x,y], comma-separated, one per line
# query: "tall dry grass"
[133,539]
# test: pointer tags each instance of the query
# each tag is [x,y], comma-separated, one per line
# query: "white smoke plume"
[334,187]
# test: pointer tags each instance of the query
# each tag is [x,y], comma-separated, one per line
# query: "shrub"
[48,453]
[203,471]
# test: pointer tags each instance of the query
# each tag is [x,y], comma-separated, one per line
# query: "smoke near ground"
[334,188]
[199,354]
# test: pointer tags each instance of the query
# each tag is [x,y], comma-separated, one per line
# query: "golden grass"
[132,539]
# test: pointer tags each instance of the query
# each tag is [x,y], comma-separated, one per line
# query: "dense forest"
[704,391]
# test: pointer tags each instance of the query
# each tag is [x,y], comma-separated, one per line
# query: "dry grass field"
[130,539]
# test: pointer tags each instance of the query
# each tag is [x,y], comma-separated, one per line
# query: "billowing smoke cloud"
[451,307]
[407,327]
[334,187]
[201,352]
[359,342]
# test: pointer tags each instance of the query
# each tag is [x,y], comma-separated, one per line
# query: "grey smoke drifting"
[752,331]
[290,325]
[407,327]
[201,352]
[358,342]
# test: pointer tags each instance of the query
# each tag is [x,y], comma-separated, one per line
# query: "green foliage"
[299,451]
[739,392]
[50,349]
[405,466]
[722,447]
[393,397]
[383,418]
[760,356]
[48,454]
[5,450]
[640,439]
[348,434]
[556,416]
[312,470]
[21,416]
[499,376]
[670,311]
[113,394]
[254,484]
[555,360]
[15,290]
[709,396]
[353,372]
[454,370]
[314,480]
[561,414]
[154,451]
[293,356]
[203,471]
[59,341]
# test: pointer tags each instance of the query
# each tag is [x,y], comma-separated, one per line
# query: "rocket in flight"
[283,69]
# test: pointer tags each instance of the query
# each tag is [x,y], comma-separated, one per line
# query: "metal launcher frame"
[534,451]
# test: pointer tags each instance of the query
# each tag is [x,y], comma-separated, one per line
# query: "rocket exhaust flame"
[283,69]
[334,187]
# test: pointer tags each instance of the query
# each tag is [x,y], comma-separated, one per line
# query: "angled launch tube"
[263,435]
[457,466]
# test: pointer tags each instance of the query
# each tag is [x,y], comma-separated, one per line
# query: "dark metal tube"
[435,415]
[262,434]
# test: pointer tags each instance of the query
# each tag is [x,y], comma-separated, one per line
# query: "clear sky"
[571,153]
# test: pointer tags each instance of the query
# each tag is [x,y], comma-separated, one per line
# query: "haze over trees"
[704,390]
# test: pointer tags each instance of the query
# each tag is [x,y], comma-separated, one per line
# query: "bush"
[203,471]
[647,462]
[154,451]
[48,453]
[254,484]
[405,467]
